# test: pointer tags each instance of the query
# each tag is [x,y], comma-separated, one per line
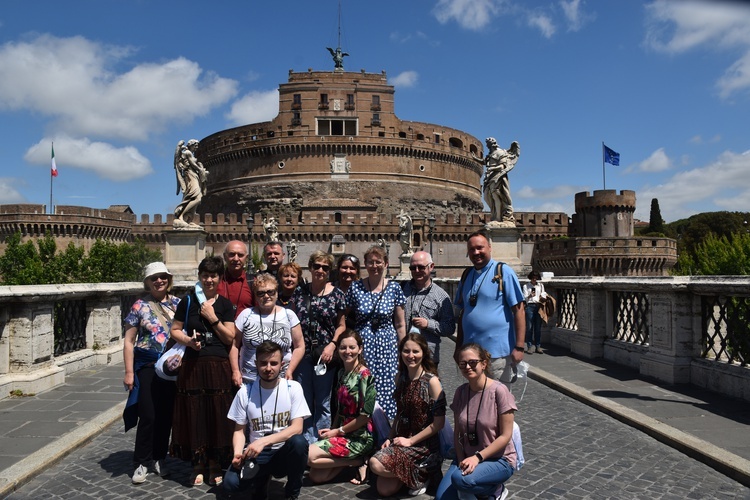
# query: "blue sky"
[116,84]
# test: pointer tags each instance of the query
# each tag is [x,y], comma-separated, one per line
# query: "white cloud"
[469,14]
[74,81]
[103,159]
[543,23]
[560,191]
[676,27]
[8,193]
[255,107]
[574,14]
[725,182]
[657,162]
[405,79]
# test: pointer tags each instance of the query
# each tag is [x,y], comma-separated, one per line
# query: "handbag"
[381,424]
[447,449]
[172,355]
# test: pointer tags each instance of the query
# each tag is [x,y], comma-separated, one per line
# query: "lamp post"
[250,221]
[431,225]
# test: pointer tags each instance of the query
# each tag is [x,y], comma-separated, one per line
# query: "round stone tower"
[605,214]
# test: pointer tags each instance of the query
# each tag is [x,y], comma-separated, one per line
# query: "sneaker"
[159,468]
[139,476]
[539,350]
[420,489]
[502,493]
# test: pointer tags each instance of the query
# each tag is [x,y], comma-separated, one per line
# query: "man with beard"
[272,411]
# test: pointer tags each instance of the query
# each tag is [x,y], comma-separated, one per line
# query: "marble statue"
[292,250]
[405,232]
[338,58]
[191,180]
[271,229]
[496,187]
[381,243]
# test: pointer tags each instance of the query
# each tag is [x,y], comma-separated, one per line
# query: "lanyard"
[481,398]
[273,417]
[273,324]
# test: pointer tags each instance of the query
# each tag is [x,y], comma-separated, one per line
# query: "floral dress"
[356,396]
[374,318]
[416,410]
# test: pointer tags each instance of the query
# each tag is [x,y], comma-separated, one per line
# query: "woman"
[349,440]
[378,304]
[146,334]
[320,307]
[265,321]
[289,278]
[347,271]
[483,413]
[421,415]
[534,294]
[204,323]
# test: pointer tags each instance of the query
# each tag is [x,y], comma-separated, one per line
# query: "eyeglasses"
[472,363]
[324,267]
[163,277]
[418,268]
[262,293]
[375,263]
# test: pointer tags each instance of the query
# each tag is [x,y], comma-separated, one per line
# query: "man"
[273,255]
[428,308]
[492,308]
[272,411]
[235,285]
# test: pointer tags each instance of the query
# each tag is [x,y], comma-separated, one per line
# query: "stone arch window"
[455,142]
[337,217]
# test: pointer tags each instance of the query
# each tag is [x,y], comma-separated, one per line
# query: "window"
[437,138]
[349,101]
[297,103]
[323,104]
[337,217]
[376,119]
[296,120]
[337,126]
[375,106]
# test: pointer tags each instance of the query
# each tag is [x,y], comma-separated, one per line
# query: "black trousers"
[155,404]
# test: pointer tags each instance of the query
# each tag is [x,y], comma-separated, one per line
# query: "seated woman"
[265,321]
[350,439]
[420,415]
[483,412]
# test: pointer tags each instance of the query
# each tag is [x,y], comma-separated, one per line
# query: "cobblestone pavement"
[572,452]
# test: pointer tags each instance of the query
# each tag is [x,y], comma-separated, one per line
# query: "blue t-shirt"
[490,322]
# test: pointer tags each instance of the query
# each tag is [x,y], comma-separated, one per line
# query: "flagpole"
[50,180]
[604,175]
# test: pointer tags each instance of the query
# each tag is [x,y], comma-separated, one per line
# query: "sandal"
[215,478]
[196,479]
[361,475]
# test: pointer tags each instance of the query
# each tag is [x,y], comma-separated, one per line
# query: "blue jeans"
[533,325]
[290,460]
[484,481]
[317,389]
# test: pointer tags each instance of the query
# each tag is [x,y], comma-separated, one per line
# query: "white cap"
[155,268]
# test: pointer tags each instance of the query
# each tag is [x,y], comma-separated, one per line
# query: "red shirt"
[237,290]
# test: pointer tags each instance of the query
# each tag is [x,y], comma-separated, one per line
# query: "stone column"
[506,245]
[184,250]
[593,325]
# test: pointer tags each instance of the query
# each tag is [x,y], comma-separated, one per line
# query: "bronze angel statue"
[191,181]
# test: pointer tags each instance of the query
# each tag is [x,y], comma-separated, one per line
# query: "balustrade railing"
[726,328]
[631,321]
[567,308]
[70,318]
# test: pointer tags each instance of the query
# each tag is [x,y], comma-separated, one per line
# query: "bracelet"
[519,349]
[341,430]
[215,323]
[479,456]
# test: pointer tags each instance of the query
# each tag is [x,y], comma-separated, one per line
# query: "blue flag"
[610,156]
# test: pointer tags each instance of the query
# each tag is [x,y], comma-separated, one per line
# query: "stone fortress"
[335,168]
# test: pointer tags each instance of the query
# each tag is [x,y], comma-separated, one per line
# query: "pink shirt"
[496,400]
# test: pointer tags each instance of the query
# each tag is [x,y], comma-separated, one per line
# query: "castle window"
[297,103]
[337,126]
[437,138]
[375,105]
[323,104]
[349,101]
[376,119]
[455,142]
[420,137]
[402,135]
[296,120]
[337,217]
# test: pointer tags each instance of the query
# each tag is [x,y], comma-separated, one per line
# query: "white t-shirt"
[280,406]
[257,328]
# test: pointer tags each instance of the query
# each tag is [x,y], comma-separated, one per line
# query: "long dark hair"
[353,334]
[427,363]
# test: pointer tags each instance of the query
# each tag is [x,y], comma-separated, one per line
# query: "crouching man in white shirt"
[272,411]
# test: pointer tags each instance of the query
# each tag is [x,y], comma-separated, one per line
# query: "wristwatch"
[479,456]
[519,349]
[215,323]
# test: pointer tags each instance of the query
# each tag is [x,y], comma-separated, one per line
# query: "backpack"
[498,278]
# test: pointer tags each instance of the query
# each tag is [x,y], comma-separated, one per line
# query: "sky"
[115,84]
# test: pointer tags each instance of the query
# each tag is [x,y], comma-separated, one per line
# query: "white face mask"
[320,368]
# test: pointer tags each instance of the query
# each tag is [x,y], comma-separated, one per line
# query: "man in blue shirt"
[492,308]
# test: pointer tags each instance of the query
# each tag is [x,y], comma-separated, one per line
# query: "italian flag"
[54,165]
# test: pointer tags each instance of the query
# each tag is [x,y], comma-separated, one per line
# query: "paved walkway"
[587,434]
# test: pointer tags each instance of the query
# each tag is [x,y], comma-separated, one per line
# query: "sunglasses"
[418,268]
[472,363]
[262,293]
[163,277]
[350,257]
[324,267]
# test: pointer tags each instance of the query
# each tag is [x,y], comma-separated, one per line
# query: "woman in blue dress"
[378,305]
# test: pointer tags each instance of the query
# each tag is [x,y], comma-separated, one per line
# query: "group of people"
[280,374]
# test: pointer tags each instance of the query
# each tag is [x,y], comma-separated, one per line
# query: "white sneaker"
[419,490]
[503,494]
[159,468]
[139,476]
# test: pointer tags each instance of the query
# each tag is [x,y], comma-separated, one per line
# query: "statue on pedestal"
[405,232]
[496,187]
[292,250]
[338,58]
[271,229]
[191,180]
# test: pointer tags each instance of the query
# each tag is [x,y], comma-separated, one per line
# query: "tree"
[717,255]
[655,223]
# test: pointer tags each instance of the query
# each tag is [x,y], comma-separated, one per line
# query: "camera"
[206,338]
[472,300]
[375,323]
[472,438]
[249,469]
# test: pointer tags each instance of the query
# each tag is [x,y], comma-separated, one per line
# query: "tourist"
[146,334]
[534,295]
[378,304]
[428,309]
[320,307]
[201,432]
[347,272]
[289,280]
[273,256]
[270,413]
[349,441]
[492,308]
[265,321]
[483,415]
[235,286]
[413,442]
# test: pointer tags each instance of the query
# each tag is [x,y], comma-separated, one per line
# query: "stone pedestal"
[405,260]
[184,250]
[506,245]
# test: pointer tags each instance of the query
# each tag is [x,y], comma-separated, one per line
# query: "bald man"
[236,286]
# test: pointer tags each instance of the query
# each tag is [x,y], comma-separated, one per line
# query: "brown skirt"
[201,430]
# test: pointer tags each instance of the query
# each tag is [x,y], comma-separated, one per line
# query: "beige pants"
[503,369]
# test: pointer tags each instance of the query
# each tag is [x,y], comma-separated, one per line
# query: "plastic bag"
[173,360]
[516,438]
[382,425]
[521,374]
[447,449]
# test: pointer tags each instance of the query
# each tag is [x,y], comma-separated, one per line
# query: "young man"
[273,410]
